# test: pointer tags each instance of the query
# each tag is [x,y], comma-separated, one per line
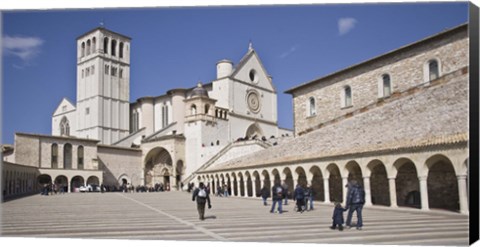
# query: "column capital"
[462,177]
[366,177]
[392,178]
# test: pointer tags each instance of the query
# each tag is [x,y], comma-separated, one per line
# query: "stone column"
[231,186]
[344,189]
[254,187]
[368,193]
[393,192]
[462,193]
[245,187]
[326,188]
[173,182]
[424,192]
[239,191]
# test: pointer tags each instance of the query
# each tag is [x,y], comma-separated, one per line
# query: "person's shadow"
[211,217]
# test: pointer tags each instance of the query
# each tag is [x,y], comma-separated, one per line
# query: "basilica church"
[396,123]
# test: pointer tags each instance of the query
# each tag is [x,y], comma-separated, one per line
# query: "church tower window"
[88,47]
[105,45]
[94,44]
[193,110]
[114,47]
[433,70]
[347,97]
[120,51]
[83,49]
[207,108]
[387,88]
[107,68]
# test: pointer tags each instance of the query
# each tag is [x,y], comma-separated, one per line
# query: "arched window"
[83,49]
[105,45]
[312,107]
[67,156]
[114,47]
[120,51]
[207,107]
[80,158]
[193,110]
[107,68]
[347,96]
[386,85]
[54,156]
[433,71]
[94,44]
[164,115]
[64,127]
[88,47]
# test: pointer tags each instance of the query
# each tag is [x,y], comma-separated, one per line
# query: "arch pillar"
[424,192]
[393,192]
[462,193]
[326,189]
[230,185]
[368,194]
[245,186]
[239,190]
[344,189]
[254,187]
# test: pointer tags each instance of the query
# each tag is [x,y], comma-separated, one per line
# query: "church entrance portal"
[158,167]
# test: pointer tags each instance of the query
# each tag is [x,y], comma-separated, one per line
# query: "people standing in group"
[277,197]
[285,192]
[265,193]
[202,197]
[355,202]
[299,197]
[337,217]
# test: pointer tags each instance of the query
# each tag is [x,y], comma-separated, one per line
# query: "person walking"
[299,197]
[277,197]
[202,196]
[311,195]
[285,192]
[355,202]
[265,193]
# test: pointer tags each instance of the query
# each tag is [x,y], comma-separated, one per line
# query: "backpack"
[279,190]
[202,193]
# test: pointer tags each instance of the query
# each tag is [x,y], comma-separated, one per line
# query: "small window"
[94,44]
[64,108]
[88,47]
[80,158]
[114,71]
[387,89]
[107,68]
[347,96]
[87,71]
[253,76]
[433,71]
[83,49]
[121,73]
[193,110]
[87,111]
[54,156]
[207,107]
[114,47]
[83,73]
[312,107]
[93,69]
[120,52]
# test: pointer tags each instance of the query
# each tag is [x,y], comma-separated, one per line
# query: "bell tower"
[103,85]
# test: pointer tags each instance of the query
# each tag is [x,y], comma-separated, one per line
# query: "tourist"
[277,195]
[355,202]
[285,192]
[265,193]
[299,197]
[202,196]
[338,217]
[311,195]
[225,190]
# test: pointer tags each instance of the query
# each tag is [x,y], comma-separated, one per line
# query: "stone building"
[105,139]
[397,123]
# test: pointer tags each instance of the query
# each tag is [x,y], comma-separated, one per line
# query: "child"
[338,217]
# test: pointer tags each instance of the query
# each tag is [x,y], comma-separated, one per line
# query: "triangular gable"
[247,63]
[68,107]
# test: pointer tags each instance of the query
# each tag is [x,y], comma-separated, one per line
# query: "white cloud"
[345,25]
[26,48]
[287,53]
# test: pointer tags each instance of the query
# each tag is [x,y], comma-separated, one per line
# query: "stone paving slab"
[173,216]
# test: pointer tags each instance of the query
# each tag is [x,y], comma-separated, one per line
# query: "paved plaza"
[173,216]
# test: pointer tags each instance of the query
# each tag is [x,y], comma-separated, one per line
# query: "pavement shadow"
[211,217]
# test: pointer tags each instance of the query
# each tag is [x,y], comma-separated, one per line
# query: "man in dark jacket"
[355,202]
[277,196]
[265,193]
[202,196]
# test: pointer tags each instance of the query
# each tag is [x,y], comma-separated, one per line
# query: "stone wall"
[406,70]
[115,162]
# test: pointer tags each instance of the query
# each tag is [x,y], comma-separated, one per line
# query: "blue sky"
[175,47]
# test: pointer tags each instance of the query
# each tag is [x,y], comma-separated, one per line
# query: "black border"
[474,123]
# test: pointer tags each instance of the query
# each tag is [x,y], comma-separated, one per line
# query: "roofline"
[168,93]
[390,53]
[57,137]
[104,29]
